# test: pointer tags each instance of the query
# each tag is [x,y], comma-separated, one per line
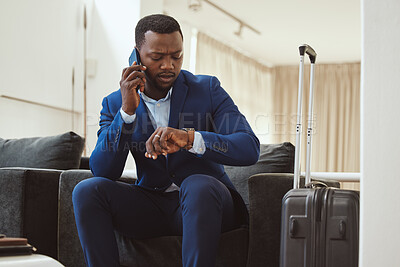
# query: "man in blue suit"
[181,129]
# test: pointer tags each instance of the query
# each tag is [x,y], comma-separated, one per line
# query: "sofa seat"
[166,251]
[162,251]
[36,202]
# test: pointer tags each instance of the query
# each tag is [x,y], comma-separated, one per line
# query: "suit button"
[172,175]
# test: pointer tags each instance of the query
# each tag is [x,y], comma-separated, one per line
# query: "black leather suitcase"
[320,225]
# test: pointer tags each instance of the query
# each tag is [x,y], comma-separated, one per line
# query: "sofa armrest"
[266,192]
[265,195]
[69,247]
[84,163]
[29,206]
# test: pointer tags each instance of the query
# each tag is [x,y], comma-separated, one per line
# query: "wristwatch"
[188,145]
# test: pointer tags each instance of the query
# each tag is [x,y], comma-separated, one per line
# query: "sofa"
[30,170]
[35,202]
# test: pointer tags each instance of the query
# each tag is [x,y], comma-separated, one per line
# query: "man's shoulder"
[198,79]
[113,101]
[116,95]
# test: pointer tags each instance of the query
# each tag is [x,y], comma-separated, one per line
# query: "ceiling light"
[194,5]
[239,31]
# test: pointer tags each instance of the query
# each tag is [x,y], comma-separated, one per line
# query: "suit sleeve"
[113,144]
[232,141]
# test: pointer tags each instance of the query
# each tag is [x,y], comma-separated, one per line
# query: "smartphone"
[134,57]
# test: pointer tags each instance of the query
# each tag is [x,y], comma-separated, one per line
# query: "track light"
[239,31]
[194,5]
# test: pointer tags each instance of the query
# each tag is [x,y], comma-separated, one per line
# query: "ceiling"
[332,28]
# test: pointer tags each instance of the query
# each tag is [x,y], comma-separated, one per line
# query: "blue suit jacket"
[197,101]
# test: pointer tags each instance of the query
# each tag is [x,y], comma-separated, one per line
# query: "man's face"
[162,54]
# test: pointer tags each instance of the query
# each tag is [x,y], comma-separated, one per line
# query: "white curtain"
[248,82]
[268,98]
[336,114]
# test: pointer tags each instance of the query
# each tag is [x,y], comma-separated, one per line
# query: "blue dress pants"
[199,211]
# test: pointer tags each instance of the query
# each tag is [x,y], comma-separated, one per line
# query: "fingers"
[133,77]
[135,84]
[136,79]
[134,68]
[165,140]
[153,148]
[156,145]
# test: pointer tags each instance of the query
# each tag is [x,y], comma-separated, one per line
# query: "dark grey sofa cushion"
[274,158]
[60,152]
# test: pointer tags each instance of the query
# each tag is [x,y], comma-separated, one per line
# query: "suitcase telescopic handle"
[306,49]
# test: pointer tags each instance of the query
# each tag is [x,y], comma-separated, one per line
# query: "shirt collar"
[151,100]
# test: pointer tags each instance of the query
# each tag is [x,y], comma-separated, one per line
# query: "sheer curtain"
[336,114]
[268,98]
[248,82]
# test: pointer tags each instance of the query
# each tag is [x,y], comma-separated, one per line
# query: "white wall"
[42,44]
[380,127]
[39,51]
[110,42]
[111,39]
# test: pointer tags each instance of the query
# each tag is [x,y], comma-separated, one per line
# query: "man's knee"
[201,187]
[88,188]
[198,183]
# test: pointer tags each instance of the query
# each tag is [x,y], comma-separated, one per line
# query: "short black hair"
[158,23]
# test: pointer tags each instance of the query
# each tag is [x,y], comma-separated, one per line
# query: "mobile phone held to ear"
[134,57]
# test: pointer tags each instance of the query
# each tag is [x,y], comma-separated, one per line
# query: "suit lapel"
[178,98]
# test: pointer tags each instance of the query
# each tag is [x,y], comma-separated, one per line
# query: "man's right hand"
[132,78]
